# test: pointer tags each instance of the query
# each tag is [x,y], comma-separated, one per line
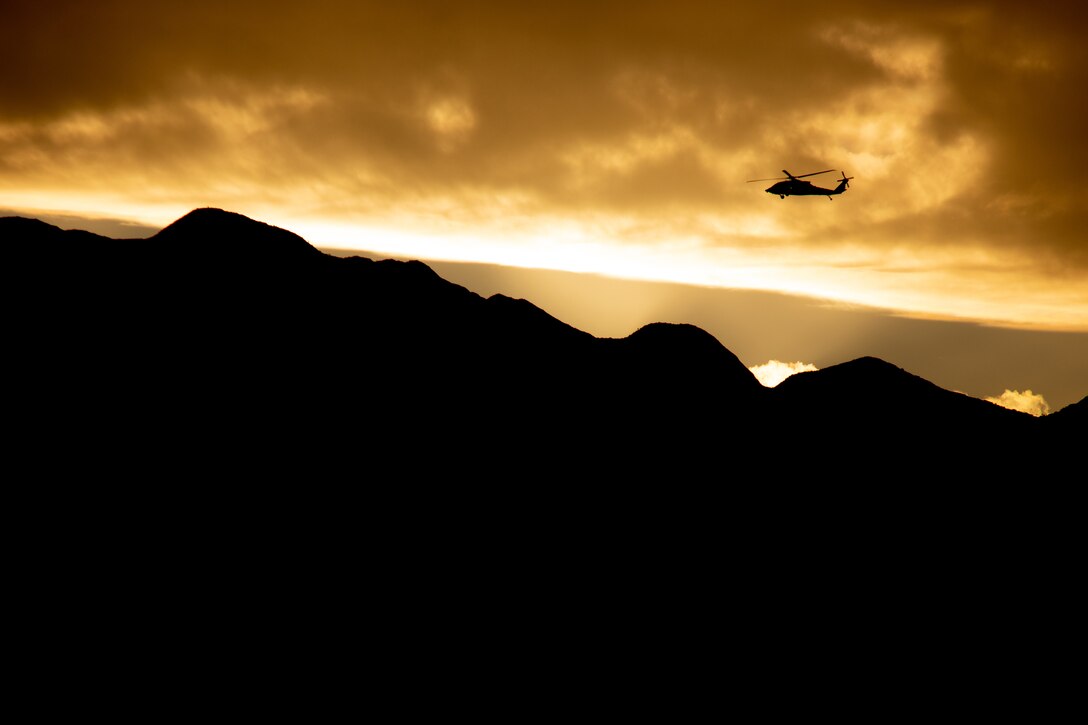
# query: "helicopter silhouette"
[790,185]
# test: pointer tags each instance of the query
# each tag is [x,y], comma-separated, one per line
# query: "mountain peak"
[685,353]
[231,235]
[21,225]
[210,218]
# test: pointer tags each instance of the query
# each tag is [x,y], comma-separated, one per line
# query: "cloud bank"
[617,135]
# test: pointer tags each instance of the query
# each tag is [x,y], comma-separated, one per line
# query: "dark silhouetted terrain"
[224,334]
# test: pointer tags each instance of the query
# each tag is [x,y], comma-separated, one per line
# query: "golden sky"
[607,137]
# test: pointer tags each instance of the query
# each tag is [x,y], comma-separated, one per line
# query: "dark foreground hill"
[302,440]
[224,333]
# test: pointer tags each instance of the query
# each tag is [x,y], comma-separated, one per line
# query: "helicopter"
[790,185]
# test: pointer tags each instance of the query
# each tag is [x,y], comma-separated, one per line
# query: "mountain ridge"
[243,310]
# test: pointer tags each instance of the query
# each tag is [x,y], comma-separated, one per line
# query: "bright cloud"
[772,372]
[1025,402]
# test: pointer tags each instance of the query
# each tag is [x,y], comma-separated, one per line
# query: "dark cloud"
[91,54]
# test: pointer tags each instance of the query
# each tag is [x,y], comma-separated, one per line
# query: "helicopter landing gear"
[781,196]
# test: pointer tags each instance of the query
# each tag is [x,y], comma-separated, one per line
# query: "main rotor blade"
[791,176]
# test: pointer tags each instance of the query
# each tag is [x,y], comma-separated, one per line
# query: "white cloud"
[1025,402]
[772,372]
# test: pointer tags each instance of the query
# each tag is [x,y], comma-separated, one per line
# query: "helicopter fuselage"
[796,187]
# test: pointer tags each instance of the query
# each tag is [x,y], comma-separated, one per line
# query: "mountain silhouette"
[883,398]
[225,333]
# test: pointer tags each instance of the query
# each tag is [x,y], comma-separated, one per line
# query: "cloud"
[773,372]
[959,122]
[1025,402]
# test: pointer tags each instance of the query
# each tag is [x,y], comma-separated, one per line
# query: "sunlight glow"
[953,283]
